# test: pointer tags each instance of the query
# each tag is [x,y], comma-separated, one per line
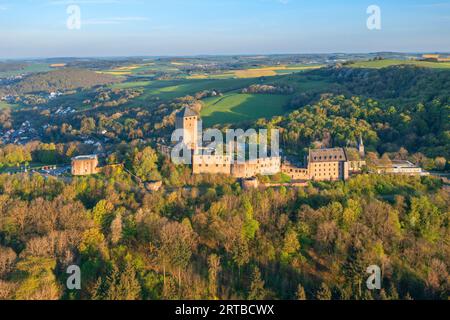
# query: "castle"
[321,164]
[187,121]
[326,164]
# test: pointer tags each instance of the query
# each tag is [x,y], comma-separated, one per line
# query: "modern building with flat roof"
[401,167]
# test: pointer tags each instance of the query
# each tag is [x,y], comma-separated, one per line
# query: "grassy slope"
[232,107]
[235,107]
[387,63]
[166,90]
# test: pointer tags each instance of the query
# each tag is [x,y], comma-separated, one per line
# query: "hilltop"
[59,80]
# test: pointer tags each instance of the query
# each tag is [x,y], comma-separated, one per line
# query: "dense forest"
[340,121]
[405,84]
[204,237]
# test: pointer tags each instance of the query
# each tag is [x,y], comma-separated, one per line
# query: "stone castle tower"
[361,148]
[187,120]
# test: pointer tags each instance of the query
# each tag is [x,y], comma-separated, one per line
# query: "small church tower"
[361,148]
[187,120]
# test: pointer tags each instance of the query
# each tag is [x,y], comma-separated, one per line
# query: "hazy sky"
[38,28]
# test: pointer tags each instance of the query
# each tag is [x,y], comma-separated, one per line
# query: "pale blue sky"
[37,28]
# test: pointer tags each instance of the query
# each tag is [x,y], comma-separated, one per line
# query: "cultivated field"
[256,72]
[388,63]
[128,70]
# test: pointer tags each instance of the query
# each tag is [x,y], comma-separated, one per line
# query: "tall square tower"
[187,120]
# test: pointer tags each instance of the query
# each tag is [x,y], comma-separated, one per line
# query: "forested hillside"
[214,240]
[340,121]
[59,80]
[405,83]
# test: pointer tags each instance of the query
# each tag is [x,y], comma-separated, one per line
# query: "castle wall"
[211,164]
[265,166]
[294,172]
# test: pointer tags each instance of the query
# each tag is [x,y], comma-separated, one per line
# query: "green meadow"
[236,107]
[171,89]
[5,105]
[378,64]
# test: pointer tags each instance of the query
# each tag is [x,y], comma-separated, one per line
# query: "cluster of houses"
[23,135]
[8,98]
[64,111]
[10,80]
[54,95]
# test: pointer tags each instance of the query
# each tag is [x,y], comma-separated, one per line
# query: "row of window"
[324,174]
[329,157]
[207,165]
[324,170]
[327,164]
[297,171]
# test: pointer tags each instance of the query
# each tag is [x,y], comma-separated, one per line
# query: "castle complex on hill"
[331,164]
[321,164]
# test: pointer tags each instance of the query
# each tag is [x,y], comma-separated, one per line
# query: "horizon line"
[219,55]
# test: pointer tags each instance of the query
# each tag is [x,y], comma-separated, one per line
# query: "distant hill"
[10,66]
[60,80]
